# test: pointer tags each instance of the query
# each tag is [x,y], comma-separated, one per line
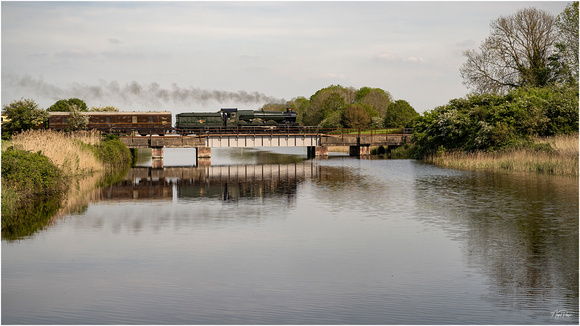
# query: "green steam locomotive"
[230,118]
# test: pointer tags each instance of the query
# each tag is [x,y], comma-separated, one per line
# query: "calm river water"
[268,237]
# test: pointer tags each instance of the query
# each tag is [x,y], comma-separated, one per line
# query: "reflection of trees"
[521,230]
[46,211]
[344,188]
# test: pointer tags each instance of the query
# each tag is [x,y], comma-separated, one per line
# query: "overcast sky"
[202,56]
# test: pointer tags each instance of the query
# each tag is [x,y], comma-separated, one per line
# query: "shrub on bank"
[27,179]
[38,167]
[112,151]
[32,174]
[488,122]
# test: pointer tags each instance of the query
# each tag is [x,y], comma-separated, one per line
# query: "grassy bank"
[556,155]
[40,166]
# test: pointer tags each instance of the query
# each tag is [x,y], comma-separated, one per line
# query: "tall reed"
[556,155]
[68,151]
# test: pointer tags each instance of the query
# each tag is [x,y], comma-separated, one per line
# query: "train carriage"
[152,122]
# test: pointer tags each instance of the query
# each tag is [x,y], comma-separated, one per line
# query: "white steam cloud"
[146,95]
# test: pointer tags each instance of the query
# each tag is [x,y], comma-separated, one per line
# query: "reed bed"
[68,151]
[553,155]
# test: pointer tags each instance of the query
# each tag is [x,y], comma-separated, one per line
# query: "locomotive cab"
[229,116]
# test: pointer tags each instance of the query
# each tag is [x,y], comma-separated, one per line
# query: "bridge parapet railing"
[344,132]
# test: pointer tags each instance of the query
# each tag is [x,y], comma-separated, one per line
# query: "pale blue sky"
[178,55]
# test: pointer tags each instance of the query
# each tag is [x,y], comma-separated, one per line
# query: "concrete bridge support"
[314,151]
[203,152]
[203,156]
[361,150]
[157,152]
[157,163]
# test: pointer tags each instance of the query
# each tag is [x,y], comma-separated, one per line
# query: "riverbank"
[40,169]
[557,155]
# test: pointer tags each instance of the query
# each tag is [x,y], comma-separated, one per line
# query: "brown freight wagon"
[142,122]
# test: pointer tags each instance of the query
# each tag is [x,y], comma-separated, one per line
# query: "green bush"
[68,105]
[113,152]
[32,188]
[488,122]
[22,115]
[32,174]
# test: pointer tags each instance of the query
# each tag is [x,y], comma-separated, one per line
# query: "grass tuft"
[556,155]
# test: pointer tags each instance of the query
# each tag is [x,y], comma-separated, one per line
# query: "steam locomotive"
[160,122]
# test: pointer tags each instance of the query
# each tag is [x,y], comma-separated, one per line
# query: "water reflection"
[228,183]
[45,212]
[335,241]
[520,230]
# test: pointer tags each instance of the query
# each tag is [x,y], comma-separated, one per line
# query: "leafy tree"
[515,54]
[356,116]
[326,101]
[274,107]
[104,109]
[565,60]
[76,120]
[22,115]
[376,98]
[300,106]
[400,114]
[377,122]
[326,107]
[333,120]
[67,105]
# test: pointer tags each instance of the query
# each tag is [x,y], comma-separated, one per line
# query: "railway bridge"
[317,143]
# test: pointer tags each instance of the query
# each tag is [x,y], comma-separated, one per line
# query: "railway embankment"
[42,168]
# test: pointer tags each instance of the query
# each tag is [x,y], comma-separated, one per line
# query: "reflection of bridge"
[316,143]
[226,182]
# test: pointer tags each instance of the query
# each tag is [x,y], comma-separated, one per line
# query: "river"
[269,237]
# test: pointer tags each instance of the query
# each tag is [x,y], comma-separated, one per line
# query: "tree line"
[25,114]
[524,82]
[337,106]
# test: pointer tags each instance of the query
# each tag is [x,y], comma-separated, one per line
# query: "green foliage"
[326,108]
[104,109]
[68,105]
[400,114]
[490,122]
[76,120]
[565,60]
[31,173]
[376,98]
[406,151]
[32,188]
[326,101]
[22,115]
[356,116]
[113,152]
[332,120]
[300,106]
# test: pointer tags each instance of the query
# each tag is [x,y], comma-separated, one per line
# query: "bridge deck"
[265,140]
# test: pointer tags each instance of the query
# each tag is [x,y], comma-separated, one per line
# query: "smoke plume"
[113,93]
